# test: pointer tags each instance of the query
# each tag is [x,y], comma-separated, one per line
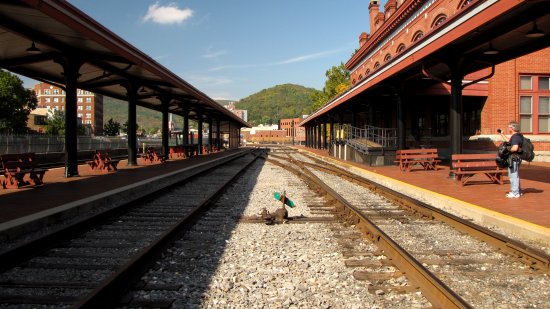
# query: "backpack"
[527,150]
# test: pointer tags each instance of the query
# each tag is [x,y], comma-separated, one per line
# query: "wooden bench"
[21,170]
[177,151]
[427,158]
[190,150]
[153,154]
[467,165]
[102,161]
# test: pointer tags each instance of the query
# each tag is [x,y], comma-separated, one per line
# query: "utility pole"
[292,132]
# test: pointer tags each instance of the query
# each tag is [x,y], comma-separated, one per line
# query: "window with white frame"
[534,103]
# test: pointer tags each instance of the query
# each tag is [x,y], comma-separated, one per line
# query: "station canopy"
[37,37]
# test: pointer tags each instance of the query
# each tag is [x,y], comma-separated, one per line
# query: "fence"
[50,144]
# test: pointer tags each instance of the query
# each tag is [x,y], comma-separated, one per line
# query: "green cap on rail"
[280,197]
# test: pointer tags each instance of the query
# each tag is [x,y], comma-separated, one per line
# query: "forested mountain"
[147,119]
[264,107]
[282,101]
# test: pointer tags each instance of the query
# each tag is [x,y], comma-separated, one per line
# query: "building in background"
[89,105]
[264,135]
[293,130]
[37,120]
[241,113]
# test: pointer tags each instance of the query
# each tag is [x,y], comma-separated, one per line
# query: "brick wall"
[502,104]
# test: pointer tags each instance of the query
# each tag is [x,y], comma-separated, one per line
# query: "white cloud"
[236,66]
[169,14]
[282,62]
[310,56]
[209,80]
[214,54]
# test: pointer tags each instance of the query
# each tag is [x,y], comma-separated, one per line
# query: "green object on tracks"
[278,196]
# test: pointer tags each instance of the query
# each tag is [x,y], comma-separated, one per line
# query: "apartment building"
[89,105]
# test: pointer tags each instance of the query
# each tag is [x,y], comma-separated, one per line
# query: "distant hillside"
[264,107]
[118,110]
[281,101]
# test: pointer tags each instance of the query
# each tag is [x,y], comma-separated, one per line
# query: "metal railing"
[366,137]
[50,144]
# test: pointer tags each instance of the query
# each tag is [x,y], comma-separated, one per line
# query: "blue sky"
[232,49]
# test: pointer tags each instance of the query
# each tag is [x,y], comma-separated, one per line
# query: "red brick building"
[89,109]
[518,90]
[293,130]
[265,135]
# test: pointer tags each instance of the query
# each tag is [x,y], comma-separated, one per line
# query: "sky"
[231,49]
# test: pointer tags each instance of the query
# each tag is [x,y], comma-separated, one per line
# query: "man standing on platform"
[514,160]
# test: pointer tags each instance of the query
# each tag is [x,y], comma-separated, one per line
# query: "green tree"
[55,124]
[337,82]
[124,128]
[111,128]
[16,103]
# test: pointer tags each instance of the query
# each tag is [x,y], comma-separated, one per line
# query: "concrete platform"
[527,217]
[30,209]
[482,201]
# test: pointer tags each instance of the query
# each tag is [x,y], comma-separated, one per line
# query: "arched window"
[400,48]
[441,18]
[417,35]
[464,3]
[376,65]
[360,77]
[367,73]
[353,81]
[387,58]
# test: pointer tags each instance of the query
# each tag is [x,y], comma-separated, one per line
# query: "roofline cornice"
[404,11]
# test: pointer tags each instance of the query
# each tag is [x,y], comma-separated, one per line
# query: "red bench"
[102,161]
[177,151]
[21,170]
[153,154]
[427,158]
[468,165]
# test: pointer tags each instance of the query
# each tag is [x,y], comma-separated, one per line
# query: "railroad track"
[88,265]
[224,261]
[454,263]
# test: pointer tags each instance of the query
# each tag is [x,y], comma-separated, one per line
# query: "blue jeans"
[513,174]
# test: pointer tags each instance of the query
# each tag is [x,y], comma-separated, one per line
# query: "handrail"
[366,137]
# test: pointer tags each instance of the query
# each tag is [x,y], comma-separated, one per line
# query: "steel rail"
[117,283]
[534,258]
[438,293]
[11,256]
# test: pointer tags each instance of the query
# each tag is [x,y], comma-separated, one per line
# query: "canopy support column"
[199,128]
[131,94]
[71,67]
[210,134]
[165,102]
